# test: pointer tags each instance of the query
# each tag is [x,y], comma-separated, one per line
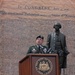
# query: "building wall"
[22,20]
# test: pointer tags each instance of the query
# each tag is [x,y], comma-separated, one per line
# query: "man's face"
[39,41]
[57,28]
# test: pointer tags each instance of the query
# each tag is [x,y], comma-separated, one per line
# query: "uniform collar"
[40,46]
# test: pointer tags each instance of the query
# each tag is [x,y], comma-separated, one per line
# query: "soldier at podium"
[38,47]
[56,43]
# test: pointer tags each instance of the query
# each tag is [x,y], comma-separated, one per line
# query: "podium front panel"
[44,65]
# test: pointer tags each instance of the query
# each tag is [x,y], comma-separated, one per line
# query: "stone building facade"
[22,20]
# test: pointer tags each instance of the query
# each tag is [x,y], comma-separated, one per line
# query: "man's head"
[39,40]
[57,26]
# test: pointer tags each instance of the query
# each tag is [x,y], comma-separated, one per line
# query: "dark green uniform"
[37,49]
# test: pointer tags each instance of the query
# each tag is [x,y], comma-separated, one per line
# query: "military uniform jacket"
[36,49]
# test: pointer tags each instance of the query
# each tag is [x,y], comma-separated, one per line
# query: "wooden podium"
[39,64]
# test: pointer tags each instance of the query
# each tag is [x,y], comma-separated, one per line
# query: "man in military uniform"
[56,43]
[38,48]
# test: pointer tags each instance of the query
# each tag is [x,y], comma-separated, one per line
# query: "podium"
[39,64]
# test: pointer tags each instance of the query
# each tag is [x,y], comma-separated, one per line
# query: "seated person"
[38,47]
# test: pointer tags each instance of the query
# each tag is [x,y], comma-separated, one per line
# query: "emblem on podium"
[43,66]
